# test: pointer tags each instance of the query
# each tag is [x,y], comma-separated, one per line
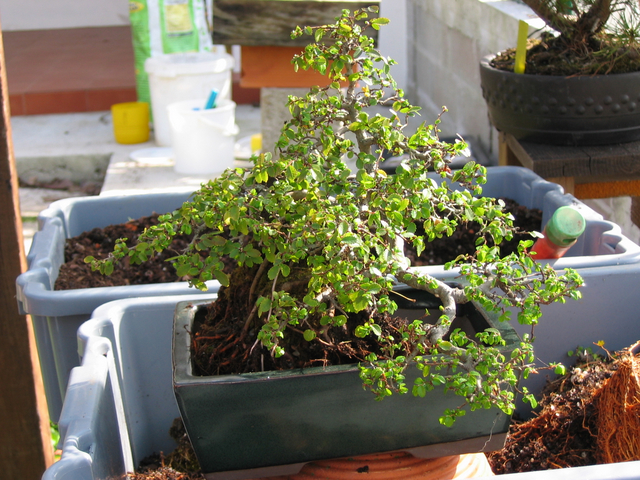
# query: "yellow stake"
[521,47]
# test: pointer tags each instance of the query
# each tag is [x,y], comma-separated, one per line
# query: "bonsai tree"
[590,37]
[319,248]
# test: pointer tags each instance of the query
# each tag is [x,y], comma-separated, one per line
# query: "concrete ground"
[79,151]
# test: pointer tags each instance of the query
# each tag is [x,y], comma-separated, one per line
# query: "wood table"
[586,172]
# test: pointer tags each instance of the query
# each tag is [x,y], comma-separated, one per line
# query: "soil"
[86,188]
[551,56]
[181,464]
[99,242]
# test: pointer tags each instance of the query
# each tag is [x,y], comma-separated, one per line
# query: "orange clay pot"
[396,465]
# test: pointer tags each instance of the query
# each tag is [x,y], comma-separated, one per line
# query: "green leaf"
[419,390]
[264,305]
[270,256]
[182,270]
[360,301]
[447,421]
[310,300]
[217,241]
[375,328]
[309,335]
[222,277]
[285,270]
[273,272]
[377,22]
[361,331]
[371,287]
[232,214]
[350,239]
[560,370]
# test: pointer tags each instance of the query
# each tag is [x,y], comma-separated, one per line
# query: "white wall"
[393,38]
[49,14]
[446,40]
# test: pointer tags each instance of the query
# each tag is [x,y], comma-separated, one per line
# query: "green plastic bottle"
[560,233]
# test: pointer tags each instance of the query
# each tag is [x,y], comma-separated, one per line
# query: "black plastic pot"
[272,423]
[580,110]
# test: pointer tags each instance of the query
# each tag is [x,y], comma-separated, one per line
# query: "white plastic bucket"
[175,77]
[203,140]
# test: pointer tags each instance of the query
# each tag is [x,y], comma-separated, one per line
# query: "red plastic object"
[560,233]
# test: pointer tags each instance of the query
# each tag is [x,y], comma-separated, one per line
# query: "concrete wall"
[49,14]
[393,38]
[446,40]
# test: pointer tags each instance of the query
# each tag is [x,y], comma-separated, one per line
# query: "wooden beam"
[270,22]
[25,440]
[606,189]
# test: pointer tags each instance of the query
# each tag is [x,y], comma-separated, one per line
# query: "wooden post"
[25,441]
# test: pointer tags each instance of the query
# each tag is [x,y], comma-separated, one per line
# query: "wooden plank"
[555,160]
[515,154]
[568,184]
[505,153]
[25,440]
[613,160]
[635,211]
[588,172]
[551,160]
[633,148]
[606,189]
[270,22]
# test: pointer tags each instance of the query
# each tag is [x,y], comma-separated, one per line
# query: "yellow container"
[130,122]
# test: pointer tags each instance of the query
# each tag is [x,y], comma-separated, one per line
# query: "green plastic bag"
[167,26]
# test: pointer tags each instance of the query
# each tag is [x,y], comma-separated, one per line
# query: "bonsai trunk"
[575,32]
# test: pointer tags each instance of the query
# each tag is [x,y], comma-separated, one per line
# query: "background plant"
[320,242]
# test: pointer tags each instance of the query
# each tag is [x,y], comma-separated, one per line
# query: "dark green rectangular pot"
[272,423]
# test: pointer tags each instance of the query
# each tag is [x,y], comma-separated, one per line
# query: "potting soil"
[552,56]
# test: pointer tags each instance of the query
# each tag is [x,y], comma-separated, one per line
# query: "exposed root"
[589,416]
[618,405]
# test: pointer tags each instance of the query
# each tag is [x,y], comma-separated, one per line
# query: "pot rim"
[181,351]
[485,63]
